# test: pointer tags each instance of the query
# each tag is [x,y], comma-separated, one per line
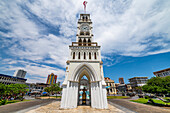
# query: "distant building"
[137,81]
[121,80]
[162,73]
[116,85]
[38,87]
[128,88]
[20,73]
[110,86]
[7,79]
[51,79]
[122,88]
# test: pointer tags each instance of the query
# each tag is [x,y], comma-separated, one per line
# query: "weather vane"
[84,3]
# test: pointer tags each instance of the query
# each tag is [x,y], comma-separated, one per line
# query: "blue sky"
[134,36]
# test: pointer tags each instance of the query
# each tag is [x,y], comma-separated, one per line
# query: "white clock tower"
[84,61]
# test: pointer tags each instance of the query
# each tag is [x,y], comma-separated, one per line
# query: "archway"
[84,74]
[96,88]
[84,91]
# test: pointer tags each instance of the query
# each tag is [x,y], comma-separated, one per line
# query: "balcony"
[84,44]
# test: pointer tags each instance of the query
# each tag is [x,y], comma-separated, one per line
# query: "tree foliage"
[54,88]
[12,90]
[157,85]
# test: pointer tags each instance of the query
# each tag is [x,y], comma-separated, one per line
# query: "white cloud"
[35,72]
[132,32]
[122,27]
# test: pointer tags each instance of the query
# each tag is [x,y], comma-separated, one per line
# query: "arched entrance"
[84,91]
[84,75]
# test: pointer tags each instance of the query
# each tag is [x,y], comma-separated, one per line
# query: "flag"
[84,3]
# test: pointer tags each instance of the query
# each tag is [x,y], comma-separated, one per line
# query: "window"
[80,42]
[95,56]
[74,55]
[89,42]
[87,33]
[111,90]
[81,33]
[84,42]
[84,55]
[89,55]
[79,56]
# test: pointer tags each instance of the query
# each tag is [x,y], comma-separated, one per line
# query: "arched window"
[80,42]
[87,33]
[81,33]
[84,55]
[79,56]
[95,56]
[89,42]
[74,55]
[89,55]
[84,42]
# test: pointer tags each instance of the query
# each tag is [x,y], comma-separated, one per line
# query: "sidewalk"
[15,107]
[137,107]
[55,108]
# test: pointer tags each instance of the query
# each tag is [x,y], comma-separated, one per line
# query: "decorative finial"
[84,3]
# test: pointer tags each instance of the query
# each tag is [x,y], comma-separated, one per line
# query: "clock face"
[84,28]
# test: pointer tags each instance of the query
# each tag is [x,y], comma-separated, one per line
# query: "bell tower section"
[84,60]
[84,49]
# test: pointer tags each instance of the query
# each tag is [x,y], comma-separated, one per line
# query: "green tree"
[2,90]
[157,85]
[138,89]
[55,88]
[48,89]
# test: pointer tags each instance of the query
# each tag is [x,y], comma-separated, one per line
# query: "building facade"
[51,79]
[84,60]
[6,79]
[129,88]
[121,80]
[20,73]
[137,81]
[110,86]
[36,87]
[162,73]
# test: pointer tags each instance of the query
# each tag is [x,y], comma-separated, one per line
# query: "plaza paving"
[53,106]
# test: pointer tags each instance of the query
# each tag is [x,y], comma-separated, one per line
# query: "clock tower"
[84,61]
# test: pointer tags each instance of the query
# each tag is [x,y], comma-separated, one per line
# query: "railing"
[84,44]
[84,20]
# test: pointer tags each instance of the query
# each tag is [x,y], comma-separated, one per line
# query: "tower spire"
[84,3]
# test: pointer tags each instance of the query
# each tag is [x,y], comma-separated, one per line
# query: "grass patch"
[166,98]
[141,100]
[117,97]
[15,101]
[144,101]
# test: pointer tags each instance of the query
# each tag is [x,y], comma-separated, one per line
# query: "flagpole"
[84,3]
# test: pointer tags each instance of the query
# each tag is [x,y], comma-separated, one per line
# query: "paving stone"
[55,108]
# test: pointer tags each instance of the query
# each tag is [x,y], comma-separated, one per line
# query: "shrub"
[3,102]
[146,97]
